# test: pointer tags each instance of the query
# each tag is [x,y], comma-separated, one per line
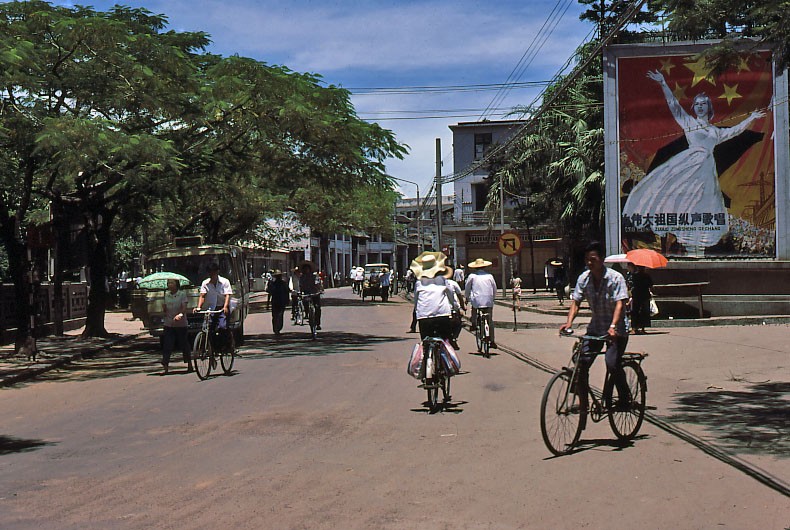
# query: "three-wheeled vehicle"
[371,286]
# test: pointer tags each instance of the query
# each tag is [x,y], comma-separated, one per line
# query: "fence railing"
[75,303]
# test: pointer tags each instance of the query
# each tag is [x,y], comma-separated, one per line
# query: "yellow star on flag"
[701,72]
[680,92]
[730,93]
[743,65]
[667,66]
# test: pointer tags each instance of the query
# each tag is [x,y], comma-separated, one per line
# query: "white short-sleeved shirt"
[432,298]
[481,289]
[456,289]
[215,294]
[175,304]
[602,300]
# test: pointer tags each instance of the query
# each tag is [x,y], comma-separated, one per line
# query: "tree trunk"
[99,265]
[19,266]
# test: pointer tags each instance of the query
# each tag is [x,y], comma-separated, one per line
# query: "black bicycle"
[483,332]
[435,372]
[305,310]
[210,344]
[562,417]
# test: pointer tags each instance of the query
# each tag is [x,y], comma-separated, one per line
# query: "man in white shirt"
[459,276]
[458,307]
[215,291]
[480,292]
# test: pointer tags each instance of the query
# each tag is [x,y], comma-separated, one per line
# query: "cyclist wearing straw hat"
[433,300]
[480,292]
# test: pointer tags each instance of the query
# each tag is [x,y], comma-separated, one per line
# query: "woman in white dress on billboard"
[688,182]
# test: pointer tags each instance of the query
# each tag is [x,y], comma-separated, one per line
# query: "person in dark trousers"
[641,282]
[279,294]
[560,280]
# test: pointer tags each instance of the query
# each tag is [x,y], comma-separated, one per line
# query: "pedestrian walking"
[641,282]
[560,279]
[279,294]
[175,325]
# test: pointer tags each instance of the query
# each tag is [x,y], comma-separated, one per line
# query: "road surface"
[334,434]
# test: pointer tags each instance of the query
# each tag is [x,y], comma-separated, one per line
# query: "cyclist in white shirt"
[458,308]
[433,300]
[480,292]
[215,291]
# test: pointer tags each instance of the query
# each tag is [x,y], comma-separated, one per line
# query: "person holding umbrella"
[175,325]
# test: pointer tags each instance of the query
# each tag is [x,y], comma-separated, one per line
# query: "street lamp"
[419,212]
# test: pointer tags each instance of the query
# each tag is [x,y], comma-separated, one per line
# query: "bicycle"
[298,310]
[483,332]
[562,418]
[306,308]
[204,358]
[436,376]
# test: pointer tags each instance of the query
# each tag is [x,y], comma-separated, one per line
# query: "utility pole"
[502,227]
[439,194]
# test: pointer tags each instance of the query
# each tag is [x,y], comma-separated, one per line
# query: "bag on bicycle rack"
[451,361]
[415,361]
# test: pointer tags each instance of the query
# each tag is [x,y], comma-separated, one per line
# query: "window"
[482,143]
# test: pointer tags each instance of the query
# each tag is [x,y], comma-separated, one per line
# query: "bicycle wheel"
[486,340]
[300,313]
[228,353]
[432,383]
[311,320]
[201,355]
[479,334]
[625,418]
[561,417]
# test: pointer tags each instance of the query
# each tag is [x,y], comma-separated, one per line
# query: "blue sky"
[358,43]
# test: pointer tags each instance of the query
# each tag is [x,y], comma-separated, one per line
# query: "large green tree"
[112,115]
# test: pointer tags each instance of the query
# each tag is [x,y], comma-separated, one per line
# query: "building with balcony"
[474,232]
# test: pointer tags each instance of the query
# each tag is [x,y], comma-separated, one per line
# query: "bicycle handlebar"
[569,333]
[208,311]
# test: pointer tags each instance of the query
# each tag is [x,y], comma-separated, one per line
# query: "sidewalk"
[54,352]
[543,310]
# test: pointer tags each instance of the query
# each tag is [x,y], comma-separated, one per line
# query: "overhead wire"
[530,123]
[545,31]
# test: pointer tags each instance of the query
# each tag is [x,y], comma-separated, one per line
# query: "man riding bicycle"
[605,290]
[480,292]
[216,291]
[310,284]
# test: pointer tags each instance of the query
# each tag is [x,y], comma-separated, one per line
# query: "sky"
[363,45]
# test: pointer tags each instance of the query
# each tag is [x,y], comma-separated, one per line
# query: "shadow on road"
[755,420]
[10,445]
[299,344]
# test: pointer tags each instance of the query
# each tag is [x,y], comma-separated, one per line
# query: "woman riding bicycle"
[433,300]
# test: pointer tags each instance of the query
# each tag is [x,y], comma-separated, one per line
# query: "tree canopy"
[132,124]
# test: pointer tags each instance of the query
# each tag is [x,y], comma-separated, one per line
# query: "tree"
[737,22]
[605,15]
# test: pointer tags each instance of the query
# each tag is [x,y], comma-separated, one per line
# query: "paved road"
[334,434]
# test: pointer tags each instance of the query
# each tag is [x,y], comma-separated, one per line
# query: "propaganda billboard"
[696,155]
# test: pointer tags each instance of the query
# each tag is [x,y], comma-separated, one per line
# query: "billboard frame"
[781,146]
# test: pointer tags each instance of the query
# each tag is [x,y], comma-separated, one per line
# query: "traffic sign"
[509,244]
